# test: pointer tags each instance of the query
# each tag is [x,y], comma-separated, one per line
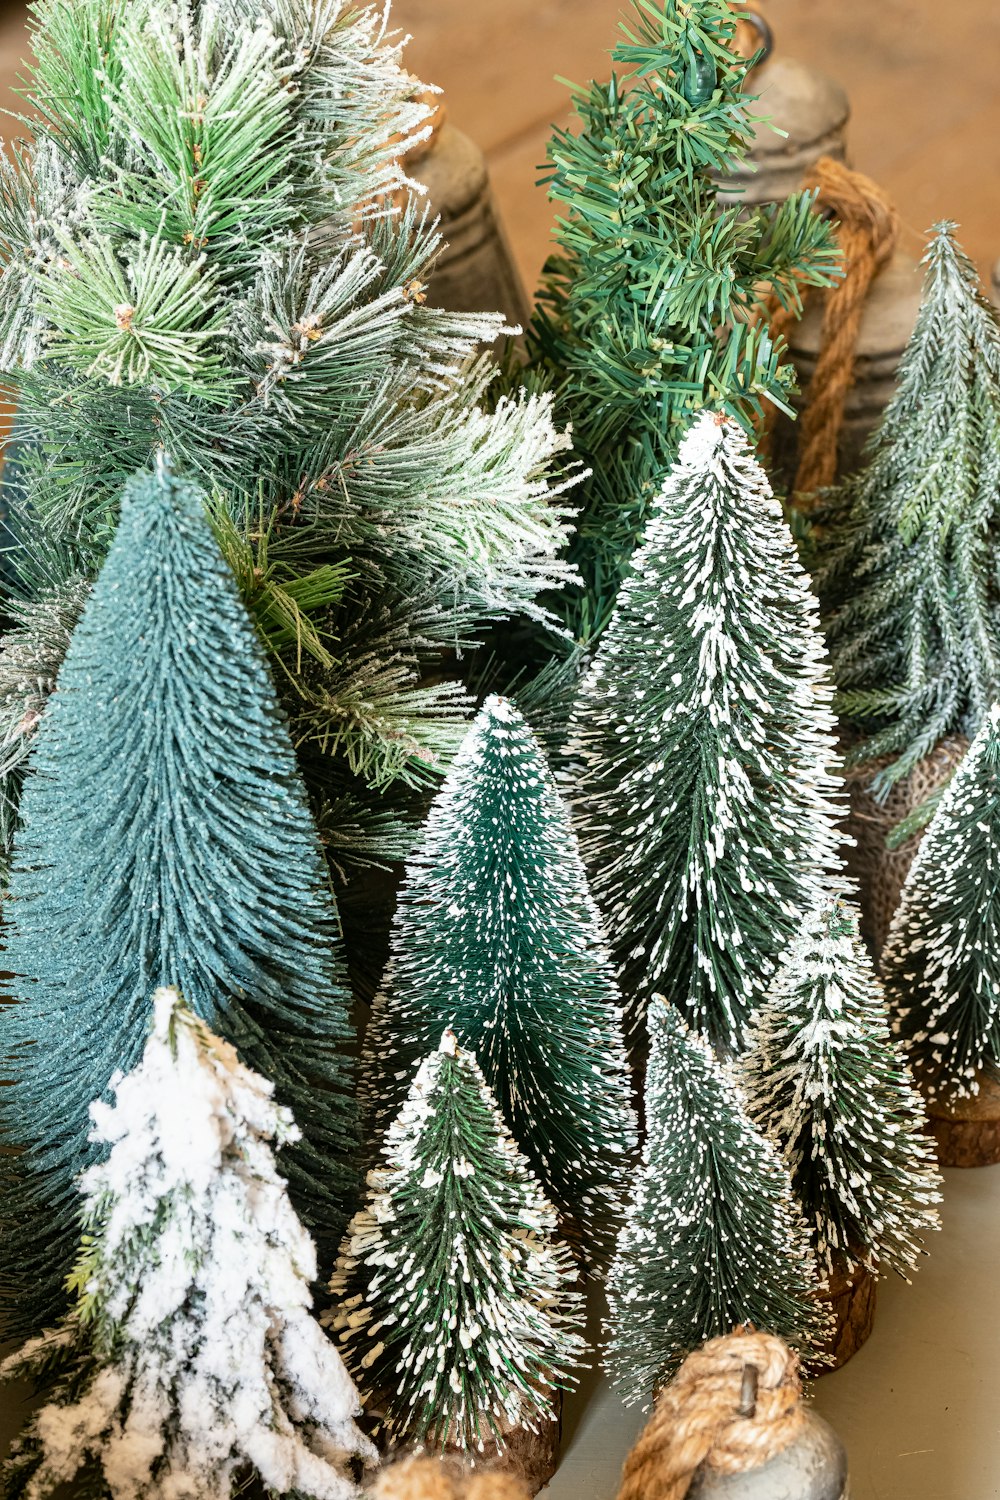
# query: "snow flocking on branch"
[201,1359]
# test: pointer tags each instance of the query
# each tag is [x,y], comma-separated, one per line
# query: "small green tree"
[941,962]
[190,1359]
[907,570]
[456,1306]
[496,934]
[713,1237]
[701,743]
[651,307]
[167,839]
[825,1082]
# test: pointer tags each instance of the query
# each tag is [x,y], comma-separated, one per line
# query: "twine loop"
[702,1418]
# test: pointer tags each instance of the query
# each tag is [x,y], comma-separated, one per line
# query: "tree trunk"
[967,1131]
[850,1296]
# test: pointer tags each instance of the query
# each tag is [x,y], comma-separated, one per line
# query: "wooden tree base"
[530,1457]
[967,1131]
[851,1299]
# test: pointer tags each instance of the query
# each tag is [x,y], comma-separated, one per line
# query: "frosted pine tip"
[994,716]
[499,708]
[449,1043]
[166,1001]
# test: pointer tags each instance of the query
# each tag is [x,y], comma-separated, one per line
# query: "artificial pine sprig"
[825,1080]
[456,1305]
[201,254]
[652,305]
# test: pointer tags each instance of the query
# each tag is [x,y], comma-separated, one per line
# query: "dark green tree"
[825,1081]
[713,1236]
[941,961]
[456,1306]
[167,840]
[906,569]
[200,250]
[497,935]
[701,745]
[651,308]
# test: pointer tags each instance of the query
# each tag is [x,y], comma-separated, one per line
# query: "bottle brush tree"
[496,934]
[652,305]
[200,251]
[941,963]
[167,839]
[190,1359]
[713,1236]
[455,1304]
[906,568]
[825,1081]
[701,743]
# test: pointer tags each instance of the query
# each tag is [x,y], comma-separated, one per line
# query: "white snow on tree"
[713,1235]
[941,961]
[702,745]
[457,1309]
[191,1359]
[826,1082]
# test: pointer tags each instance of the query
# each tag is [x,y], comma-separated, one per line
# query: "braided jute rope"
[697,1419]
[443,1479]
[867,229]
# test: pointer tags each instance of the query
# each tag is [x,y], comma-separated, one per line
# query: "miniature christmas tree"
[457,1308]
[701,742]
[201,252]
[190,1359]
[713,1237]
[824,1080]
[941,964]
[652,306]
[907,572]
[167,839]
[496,934]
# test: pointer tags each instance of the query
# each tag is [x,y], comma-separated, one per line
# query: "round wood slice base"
[967,1131]
[851,1299]
[529,1457]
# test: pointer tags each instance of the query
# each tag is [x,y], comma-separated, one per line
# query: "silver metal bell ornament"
[809,110]
[475,271]
[731,1426]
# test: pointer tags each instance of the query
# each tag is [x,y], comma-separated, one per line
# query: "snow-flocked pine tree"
[941,962]
[650,271]
[455,1304]
[496,934]
[190,1359]
[826,1082]
[713,1236]
[200,251]
[167,839]
[908,572]
[701,744]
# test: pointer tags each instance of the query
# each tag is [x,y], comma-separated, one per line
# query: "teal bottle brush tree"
[652,305]
[713,1236]
[827,1083]
[167,839]
[496,934]
[455,1305]
[189,1361]
[701,745]
[200,251]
